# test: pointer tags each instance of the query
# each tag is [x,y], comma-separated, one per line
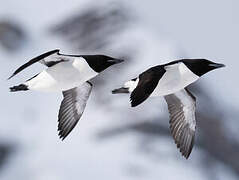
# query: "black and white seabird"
[170,80]
[69,74]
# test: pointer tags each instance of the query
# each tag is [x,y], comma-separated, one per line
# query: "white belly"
[176,77]
[62,76]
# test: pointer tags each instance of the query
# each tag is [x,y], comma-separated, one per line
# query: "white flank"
[62,76]
[176,77]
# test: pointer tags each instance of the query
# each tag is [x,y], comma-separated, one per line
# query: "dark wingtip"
[190,148]
[60,132]
[61,136]
[10,76]
[133,103]
[135,100]
[32,61]
[186,155]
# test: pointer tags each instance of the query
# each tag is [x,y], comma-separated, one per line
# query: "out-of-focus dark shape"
[12,35]
[94,28]
[148,128]
[5,151]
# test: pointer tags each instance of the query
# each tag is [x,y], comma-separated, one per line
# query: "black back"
[99,62]
[148,81]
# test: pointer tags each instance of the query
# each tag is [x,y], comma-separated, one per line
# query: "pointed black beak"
[216,65]
[116,61]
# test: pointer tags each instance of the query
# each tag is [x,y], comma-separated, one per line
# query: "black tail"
[21,87]
[120,90]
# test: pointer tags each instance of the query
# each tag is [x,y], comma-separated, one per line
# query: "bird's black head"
[201,66]
[100,62]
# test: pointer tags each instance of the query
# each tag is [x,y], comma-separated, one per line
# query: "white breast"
[63,76]
[176,77]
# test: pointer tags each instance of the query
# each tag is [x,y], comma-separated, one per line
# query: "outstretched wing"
[148,81]
[72,108]
[181,106]
[49,59]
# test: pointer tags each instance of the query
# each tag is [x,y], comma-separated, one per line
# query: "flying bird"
[170,80]
[69,74]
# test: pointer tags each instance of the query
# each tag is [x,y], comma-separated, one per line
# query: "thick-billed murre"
[170,80]
[69,74]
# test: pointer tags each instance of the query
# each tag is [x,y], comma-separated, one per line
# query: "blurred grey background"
[112,140]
